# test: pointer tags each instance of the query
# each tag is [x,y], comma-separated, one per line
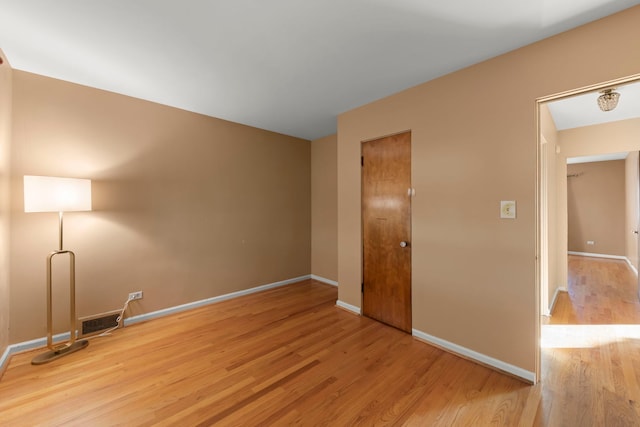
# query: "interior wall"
[632,215]
[324,208]
[5,143]
[606,138]
[474,274]
[185,207]
[596,207]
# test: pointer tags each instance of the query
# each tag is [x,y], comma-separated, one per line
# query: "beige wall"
[596,207]
[474,144]
[5,138]
[632,204]
[324,208]
[186,207]
[614,137]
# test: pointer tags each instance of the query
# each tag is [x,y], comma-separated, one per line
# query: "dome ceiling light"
[608,100]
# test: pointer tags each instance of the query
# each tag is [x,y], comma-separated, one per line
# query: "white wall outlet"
[508,209]
[135,295]
[590,242]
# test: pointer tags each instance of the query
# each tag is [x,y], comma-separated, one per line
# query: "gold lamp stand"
[59,350]
[56,194]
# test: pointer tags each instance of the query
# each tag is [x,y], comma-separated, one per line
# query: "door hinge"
[362,288]
[361,160]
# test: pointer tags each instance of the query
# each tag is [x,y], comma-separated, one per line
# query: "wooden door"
[386,230]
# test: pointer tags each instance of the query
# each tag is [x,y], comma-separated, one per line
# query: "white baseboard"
[189,306]
[4,360]
[593,255]
[323,280]
[475,356]
[555,299]
[29,345]
[635,270]
[459,350]
[348,307]
[42,342]
[589,254]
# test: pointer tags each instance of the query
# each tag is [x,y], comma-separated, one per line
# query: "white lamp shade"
[52,194]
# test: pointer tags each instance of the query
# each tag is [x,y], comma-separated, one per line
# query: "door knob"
[635,231]
[404,244]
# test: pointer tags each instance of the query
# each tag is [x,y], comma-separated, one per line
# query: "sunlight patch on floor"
[586,336]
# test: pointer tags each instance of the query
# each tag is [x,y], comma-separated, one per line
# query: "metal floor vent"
[92,325]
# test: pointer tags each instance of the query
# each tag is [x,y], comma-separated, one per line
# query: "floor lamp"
[52,194]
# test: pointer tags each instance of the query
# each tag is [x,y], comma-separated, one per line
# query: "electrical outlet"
[135,295]
[590,242]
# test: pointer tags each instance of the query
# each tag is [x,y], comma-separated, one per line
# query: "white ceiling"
[289,66]
[582,110]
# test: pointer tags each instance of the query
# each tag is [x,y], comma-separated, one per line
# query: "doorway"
[580,138]
[386,230]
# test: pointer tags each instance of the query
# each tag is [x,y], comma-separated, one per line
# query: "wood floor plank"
[289,356]
[592,380]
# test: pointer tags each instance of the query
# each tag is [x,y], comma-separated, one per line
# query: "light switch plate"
[508,209]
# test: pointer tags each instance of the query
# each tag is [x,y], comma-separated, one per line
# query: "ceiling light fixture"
[608,100]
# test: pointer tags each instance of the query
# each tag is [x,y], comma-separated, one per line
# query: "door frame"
[543,182]
[637,206]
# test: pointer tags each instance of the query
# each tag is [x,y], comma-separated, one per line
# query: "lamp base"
[52,355]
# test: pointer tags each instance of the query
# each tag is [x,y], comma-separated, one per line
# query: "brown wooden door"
[386,228]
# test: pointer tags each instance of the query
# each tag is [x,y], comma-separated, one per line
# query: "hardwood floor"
[591,348]
[289,356]
[601,291]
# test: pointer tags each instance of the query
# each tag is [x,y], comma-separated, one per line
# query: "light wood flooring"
[591,348]
[289,356]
